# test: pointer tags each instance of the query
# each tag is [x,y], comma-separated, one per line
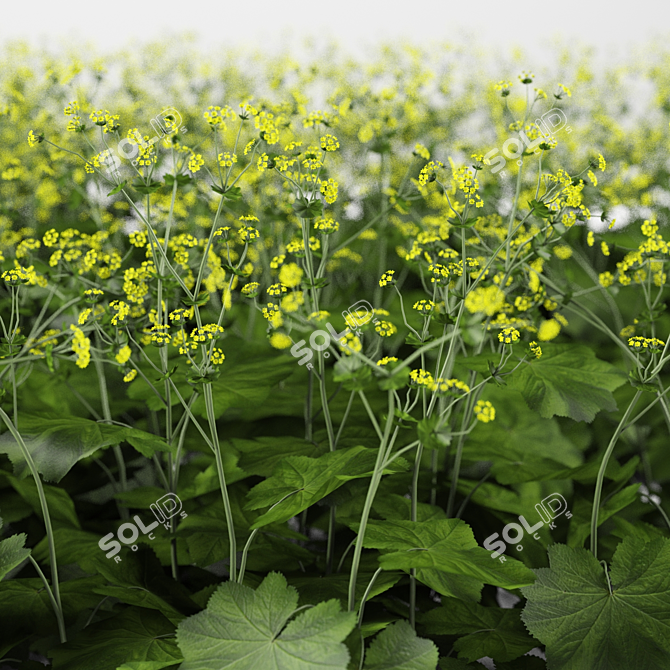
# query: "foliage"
[283,386]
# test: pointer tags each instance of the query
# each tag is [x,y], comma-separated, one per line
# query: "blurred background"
[612,29]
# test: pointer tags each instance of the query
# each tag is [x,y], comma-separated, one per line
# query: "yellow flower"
[387,278]
[484,411]
[488,299]
[386,360]
[129,376]
[385,329]
[420,150]
[330,143]
[606,279]
[227,159]
[535,349]
[291,275]
[350,343]
[195,162]
[81,346]
[548,330]
[563,251]
[280,341]
[508,335]
[420,377]
[123,355]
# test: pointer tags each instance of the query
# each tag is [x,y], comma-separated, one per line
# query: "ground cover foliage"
[313,380]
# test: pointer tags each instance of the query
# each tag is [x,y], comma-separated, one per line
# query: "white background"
[612,26]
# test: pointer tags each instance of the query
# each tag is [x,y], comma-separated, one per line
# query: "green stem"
[107,414]
[372,490]
[601,474]
[415,493]
[58,607]
[209,404]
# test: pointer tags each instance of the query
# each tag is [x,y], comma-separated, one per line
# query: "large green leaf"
[248,630]
[398,648]
[139,579]
[56,443]
[31,610]
[568,380]
[246,384]
[533,446]
[61,506]
[443,545]
[261,455]
[133,635]
[586,624]
[302,481]
[580,524]
[486,631]
[316,589]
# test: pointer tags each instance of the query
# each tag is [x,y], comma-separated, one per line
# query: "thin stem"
[372,490]
[601,474]
[209,404]
[47,521]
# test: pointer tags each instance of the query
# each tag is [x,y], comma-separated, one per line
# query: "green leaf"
[32,611]
[534,447]
[140,580]
[398,648]
[61,506]
[568,380]
[182,179]
[260,455]
[57,443]
[12,553]
[314,590]
[146,189]
[580,524]
[118,188]
[248,630]
[442,546]
[585,624]
[148,665]
[131,636]
[308,209]
[486,631]
[233,193]
[246,384]
[539,209]
[430,438]
[300,481]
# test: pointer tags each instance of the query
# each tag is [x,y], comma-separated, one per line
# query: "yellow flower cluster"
[386,360]
[484,411]
[446,386]
[81,346]
[424,307]
[508,335]
[350,343]
[385,329]
[420,377]
[645,343]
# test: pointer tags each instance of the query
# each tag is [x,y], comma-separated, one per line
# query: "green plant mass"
[332,366]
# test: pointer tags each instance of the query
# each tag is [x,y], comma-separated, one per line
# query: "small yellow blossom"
[484,411]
